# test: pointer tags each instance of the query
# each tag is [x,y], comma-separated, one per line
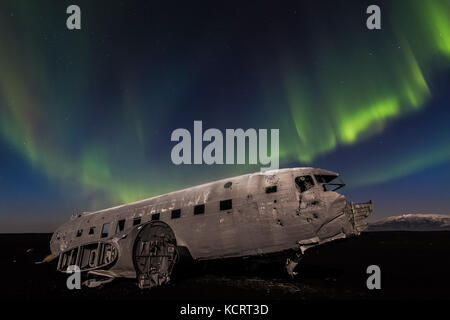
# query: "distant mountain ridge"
[412,222]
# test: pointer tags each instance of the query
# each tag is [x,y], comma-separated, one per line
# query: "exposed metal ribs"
[88,257]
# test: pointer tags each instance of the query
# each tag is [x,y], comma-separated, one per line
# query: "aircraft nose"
[337,205]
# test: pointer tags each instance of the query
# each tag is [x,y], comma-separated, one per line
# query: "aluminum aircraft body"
[286,210]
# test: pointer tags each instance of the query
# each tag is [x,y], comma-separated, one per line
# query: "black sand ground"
[414,265]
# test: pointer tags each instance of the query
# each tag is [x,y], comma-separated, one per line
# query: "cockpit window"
[304,183]
[326,180]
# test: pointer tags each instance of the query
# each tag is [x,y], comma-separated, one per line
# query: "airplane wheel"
[154,254]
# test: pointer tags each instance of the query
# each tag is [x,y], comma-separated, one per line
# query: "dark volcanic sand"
[413,265]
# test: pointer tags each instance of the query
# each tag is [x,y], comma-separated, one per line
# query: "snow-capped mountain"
[412,222]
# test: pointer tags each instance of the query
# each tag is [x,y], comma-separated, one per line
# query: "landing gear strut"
[292,262]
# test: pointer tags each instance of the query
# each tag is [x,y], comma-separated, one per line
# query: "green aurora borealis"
[91,112]
[377,88]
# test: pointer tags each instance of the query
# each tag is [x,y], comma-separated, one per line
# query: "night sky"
[86,115]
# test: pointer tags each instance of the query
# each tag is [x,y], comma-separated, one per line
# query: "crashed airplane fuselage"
[253,214]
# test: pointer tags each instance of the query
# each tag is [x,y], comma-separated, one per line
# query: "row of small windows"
[175,214]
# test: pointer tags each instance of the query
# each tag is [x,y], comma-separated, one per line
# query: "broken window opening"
[271,189]
[304,183]
[226,204]
[324,178]
[155,216]
[136,221]
[333,186]
[325,181]
[120,225]
[92,230]
[79,232]
[199,209]
[105,230]
[176,214]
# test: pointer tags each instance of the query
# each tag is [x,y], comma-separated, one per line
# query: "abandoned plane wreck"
[286,210]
